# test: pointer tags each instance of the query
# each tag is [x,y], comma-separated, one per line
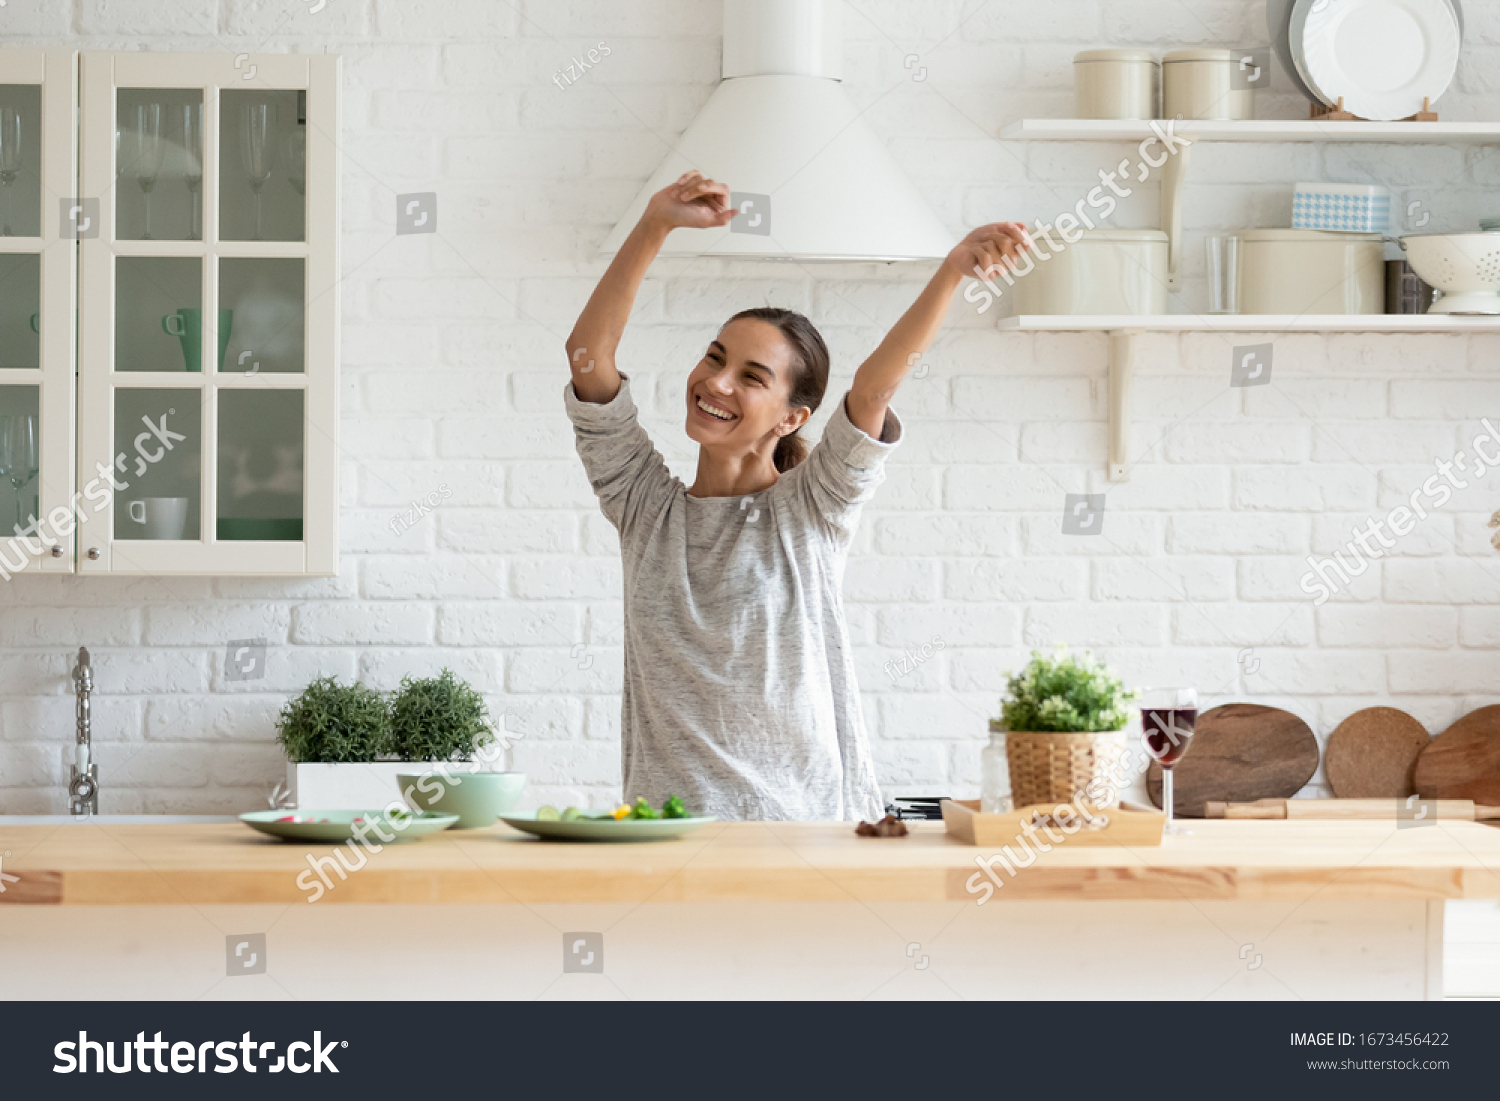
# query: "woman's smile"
[713,411]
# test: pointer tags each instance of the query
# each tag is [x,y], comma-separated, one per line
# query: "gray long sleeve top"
[739,688]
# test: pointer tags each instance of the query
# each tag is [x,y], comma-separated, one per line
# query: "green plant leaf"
[333,723]
[1065,693]
[439,719]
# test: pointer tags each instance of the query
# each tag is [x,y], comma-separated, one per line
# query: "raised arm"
[692,201]
[988,249]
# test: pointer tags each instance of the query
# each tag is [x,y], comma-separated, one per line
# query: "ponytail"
[791,449]
[809,381]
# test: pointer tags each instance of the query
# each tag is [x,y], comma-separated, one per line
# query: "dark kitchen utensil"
[1241,752]
[1373,754]
[1405,292]
[1463,762]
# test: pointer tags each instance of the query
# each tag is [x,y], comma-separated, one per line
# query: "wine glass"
[192,167]
[294,158]
[145,147]
[1168,716]
[10,156]
[18,453]
[256,143]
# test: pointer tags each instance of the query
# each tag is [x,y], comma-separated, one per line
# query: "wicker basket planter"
[1051,767]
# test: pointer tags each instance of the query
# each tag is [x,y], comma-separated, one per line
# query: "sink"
[114,819]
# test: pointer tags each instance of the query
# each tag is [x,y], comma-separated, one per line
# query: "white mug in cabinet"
[162,517]
[1310,271]
[1199,84]
[1114,84]
[1106,271]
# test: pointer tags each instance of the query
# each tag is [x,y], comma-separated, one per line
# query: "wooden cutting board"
[1373,754]
[1239,753]
[1463,762]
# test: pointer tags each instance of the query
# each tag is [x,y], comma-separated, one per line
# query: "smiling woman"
[739,688]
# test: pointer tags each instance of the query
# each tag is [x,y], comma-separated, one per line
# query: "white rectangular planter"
[368,786]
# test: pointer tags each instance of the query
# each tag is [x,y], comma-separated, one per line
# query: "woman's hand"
[693,202]
[995,246]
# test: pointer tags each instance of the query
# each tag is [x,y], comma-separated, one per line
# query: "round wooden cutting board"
[1373,754]
[1239,753]
[1463,762]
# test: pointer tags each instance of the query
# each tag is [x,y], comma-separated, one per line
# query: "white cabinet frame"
[102,75]
[50,550]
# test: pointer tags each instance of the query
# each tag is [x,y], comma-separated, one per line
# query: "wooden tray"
[1127,825]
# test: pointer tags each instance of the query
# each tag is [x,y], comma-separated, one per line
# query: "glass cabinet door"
[209,368]
[38,279]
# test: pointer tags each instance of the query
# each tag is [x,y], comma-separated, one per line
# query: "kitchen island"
[1257,909]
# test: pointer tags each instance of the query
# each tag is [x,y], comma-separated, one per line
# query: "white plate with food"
[627,822]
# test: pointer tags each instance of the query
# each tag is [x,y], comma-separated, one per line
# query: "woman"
[739,689]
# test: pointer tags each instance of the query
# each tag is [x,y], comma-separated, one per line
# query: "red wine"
[1167,733]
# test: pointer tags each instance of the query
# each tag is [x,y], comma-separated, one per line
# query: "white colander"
[1464,266]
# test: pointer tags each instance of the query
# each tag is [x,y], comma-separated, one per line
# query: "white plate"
[1296,22]
[1278,23]
[1381,56]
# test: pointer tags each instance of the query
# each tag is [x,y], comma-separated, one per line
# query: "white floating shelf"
[1443,133]
[1253,323]
[1124,328]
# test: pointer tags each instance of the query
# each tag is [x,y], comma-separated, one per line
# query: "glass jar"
[994,774]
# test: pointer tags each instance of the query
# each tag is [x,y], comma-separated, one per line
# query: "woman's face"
[737,395]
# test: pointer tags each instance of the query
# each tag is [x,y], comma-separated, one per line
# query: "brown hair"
[809,381]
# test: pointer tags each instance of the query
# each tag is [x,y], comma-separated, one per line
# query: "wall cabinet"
[169,310]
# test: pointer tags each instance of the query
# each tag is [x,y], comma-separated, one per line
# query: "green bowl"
[478,798]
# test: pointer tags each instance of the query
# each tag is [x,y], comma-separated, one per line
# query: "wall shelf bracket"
[1174,172]
[1121,376]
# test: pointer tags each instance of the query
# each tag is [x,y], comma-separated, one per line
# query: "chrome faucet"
[83,789]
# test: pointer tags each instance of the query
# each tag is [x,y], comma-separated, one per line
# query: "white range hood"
[782,133]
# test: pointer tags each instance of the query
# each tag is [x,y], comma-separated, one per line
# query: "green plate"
[607,829]
[338,825]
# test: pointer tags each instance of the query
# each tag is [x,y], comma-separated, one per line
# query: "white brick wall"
[454,369]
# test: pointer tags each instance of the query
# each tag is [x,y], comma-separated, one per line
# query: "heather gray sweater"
[739,689]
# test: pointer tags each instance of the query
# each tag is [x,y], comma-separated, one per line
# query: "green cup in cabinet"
[187,326]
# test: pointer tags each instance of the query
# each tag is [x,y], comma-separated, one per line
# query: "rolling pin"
[1453,809]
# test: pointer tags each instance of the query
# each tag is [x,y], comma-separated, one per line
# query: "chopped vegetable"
[643,809]
[546,814]
[673,808]
[621,812]
[572,814]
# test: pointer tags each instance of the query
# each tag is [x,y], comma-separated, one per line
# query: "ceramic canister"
[1105,271]
[1114,84]
[1311,271]
[1199,84]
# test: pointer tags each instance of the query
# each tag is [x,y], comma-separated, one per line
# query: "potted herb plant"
[1061,731]
[346,744]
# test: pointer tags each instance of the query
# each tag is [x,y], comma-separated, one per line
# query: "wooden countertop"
[782,861]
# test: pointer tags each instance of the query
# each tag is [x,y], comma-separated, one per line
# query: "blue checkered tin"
[1347,208]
